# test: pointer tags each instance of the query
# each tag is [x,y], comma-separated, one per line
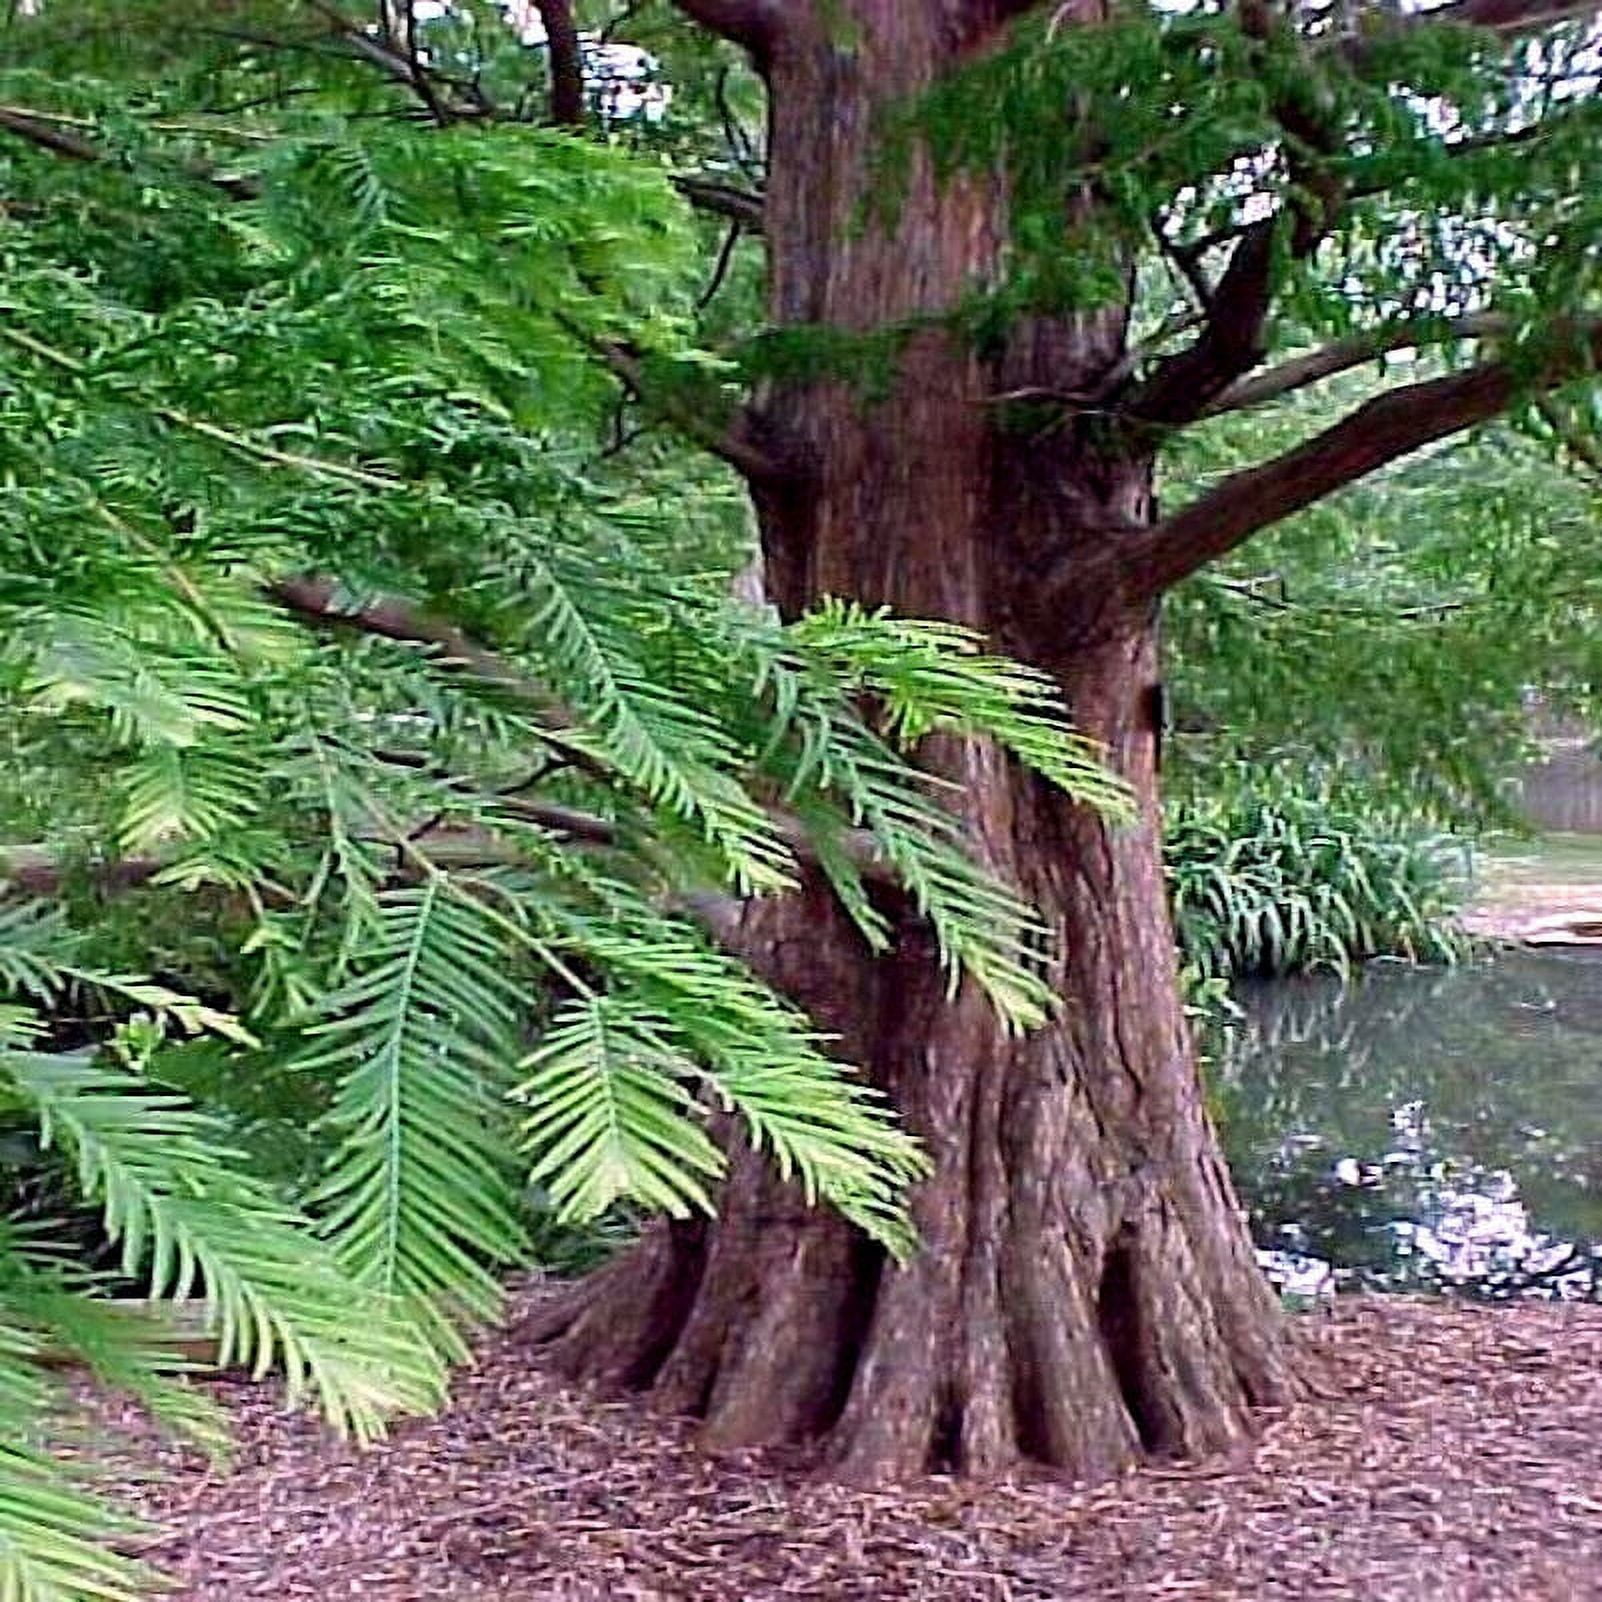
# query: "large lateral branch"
[1342,355]
[1508,17]
[1391,426]
[751,23]
[1236,314]
[1203,378]
[1231,341]
[48,134]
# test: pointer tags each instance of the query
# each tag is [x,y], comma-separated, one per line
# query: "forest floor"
[1455,1456]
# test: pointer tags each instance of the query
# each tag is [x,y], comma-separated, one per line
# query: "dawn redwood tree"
[319,591]
[967,205]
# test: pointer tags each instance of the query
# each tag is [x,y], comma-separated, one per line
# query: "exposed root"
[806,1340]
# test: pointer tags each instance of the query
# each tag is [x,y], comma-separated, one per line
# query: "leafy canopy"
[424,725]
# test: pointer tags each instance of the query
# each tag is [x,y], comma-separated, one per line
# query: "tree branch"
[728,444]
[1230,343]
[1506,17]
[59,138]
[744,206]
[751,23]
[322,601]
[39,870]
[1509,19]
[402,65]
[566,61]
[41,873]
[1145,564]
[48,134]
[721,267]
[1237,310]
[318,599]
[1342,355]
[326,601]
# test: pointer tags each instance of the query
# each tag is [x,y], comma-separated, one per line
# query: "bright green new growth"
[324,621]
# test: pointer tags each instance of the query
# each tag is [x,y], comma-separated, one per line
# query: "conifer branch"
[1507,17]
[44,873]
[1231,342]
[1379,432]
[744,206]
[321,600]
[325,601]
[49,133]
[566,59]
[61,139]
[751,23]
[1341,355]
[729,445]
[446,100]
[1237,310]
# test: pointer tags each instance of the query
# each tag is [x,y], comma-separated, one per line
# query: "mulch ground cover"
[1457,1455]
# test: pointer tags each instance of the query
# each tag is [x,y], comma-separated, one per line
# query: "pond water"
[1423,1128]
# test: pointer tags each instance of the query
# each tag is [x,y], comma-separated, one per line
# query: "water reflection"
[1421,1128]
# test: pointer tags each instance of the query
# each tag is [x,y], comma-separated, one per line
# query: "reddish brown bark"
[565,54]
[1086,1289]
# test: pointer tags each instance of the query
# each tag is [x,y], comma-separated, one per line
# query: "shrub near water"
[1268,877]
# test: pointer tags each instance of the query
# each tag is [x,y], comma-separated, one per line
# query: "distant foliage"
[1398,626]
[1270,876]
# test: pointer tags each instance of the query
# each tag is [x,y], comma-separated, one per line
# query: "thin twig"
[720,270]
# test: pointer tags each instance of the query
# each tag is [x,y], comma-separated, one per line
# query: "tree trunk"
[1086,1289]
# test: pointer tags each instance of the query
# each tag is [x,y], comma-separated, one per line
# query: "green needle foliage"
[332,636]
[418,1196]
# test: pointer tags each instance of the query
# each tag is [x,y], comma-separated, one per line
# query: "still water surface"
[1423,1128]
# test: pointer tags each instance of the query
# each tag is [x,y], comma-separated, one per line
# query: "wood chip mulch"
[1457,1456]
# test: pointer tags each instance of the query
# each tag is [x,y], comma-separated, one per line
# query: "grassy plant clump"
[1270,875]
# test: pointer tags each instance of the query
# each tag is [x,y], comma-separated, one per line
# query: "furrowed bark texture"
[1086,1291]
